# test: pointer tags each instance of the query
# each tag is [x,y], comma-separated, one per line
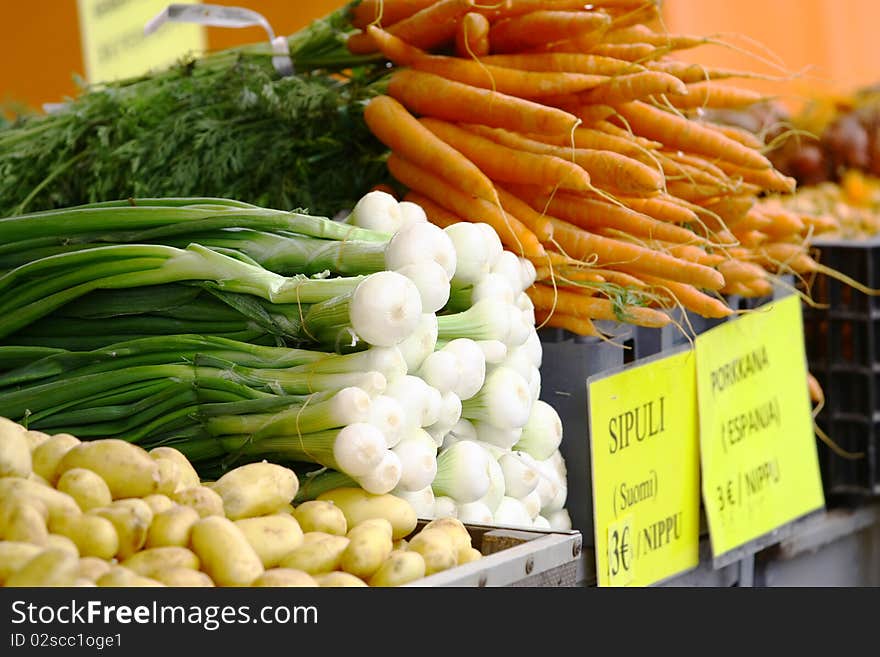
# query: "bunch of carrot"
[570,130]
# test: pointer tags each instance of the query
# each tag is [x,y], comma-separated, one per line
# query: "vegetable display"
[108,513]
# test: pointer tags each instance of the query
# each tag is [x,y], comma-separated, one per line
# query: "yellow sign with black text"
[760,467]
[645,461]
[113,42]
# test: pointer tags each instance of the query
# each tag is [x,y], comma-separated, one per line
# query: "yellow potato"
[321,516]
[47,455]
[158,502]
[320,554]
[338,579]
[128,469]
[284,577]
[398,569]
[130,525]
[14,555]
[60,542]
[85,487]
[400,544]
[256,489]
[461,538]
[33,476]
[93,535]
[172,527]
[187,476]
[201,498]
[25,522]
[82,581]
[122,577]
[287,508]
[149,562]
[225,553]
[50,567]
[35,438]
[91,568]
[272,536]
[169,476]
[436,548]
[140,508]
[369,545]
[182,577]
[471,554]
[15,450]
[358,505]
[56,502]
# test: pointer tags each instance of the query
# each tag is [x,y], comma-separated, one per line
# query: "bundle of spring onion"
[380,351]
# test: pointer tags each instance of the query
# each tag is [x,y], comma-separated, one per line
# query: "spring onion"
[444,507]
[520,476]
[504,401]
[512,513]
[471,366]
[542,433]
[472,256]
[420,343]
[384,477]
[421,500]
[462,472]
[387,416]
[474,513]
[418,460]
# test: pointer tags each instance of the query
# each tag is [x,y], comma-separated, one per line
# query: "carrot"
[751,238]
[782,224]
[505,164]
[437,215]
[816,394]
[690,297]
[674,169]
[577,325]
[701,191]
[631,52]
[594,140]
[564,62]
[513,234]
[661,209]
[740,271]
[643,34]
[591,114]
[432,95]
[713,95]
[625,88]
[432,26]
[593,215]
[767,179]
[696,161]
[509,8]
[539,27]
[395,127]
[680,133]
[611,129]
[693,253]
[632,258]
[689,73]
[385,12]
[744,137]
[730,210]
[615,277]
[759,287]
[571,303]
[572,276]
[819,223]
[539,224]
[472,36]
[737,289]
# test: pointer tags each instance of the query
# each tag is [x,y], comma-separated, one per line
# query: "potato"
[93,535]
[201,498]
[358,505]
[272,537]
[150,561]
[158,502]
[461,538]
[399,568]
[182,577]
[169,476]
[471,554]
[82,581]
[50,567]
[284,577]
[437,549]
[91,568]
[172,527]
[256,489]
[35,438]
[369,545]
[400,544]
[128,469]
[14,555]
[15,450]
[87,489]
[317,554]
[287,508]
[56,502]
[25,522]
[47,456]
[122,577]
[225,553]
[140,508]
[338,579]
[61,542]
[33,476]
[320,516]
[187,476]
[130,524]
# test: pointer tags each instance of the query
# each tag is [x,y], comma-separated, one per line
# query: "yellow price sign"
[113,42]
[759,461]
[645,460]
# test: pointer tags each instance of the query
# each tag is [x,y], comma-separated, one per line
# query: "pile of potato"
[109,513]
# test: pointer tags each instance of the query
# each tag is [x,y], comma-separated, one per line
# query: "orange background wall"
[40,51]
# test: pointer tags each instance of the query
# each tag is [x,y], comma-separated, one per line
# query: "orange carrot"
[751,238]
[431,95]
[385,12]
[744,137]
[680,133]
[740,271]
[591,114]
[816,394]
[513,234]
[577,325]
[504,164]
[395,127]
[631,52]
[643,34]
[760,287]
[661,209]
[572,276]
[571,303]
[564,62]
[472,36]
[428,27]
[701,191]
[538,223]
[612,276]
[737,289]
[437,215]
[689,73]
[611,129]
[690,297]
[632,258]
[539,27]
[713,95]
[782,224]
[508,8]
[768,179]
[625,88]
[593,139]
[819,223]
[693,253]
